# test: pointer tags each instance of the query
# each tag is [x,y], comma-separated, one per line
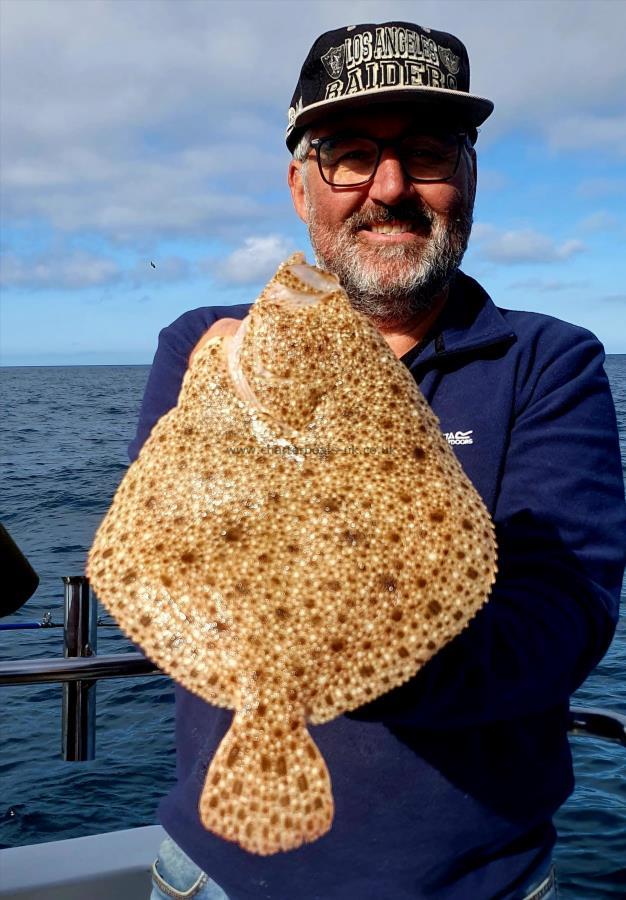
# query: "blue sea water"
[65,434]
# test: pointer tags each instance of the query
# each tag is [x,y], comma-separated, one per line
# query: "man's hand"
[220,328]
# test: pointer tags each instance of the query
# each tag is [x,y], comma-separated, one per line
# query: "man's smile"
[393,231]
[393,227]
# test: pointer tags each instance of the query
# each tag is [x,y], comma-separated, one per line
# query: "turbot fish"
[295,539]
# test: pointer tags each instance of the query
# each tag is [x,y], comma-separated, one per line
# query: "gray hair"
[302,148]
[300,154]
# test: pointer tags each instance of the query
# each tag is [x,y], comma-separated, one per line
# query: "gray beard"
[391,284]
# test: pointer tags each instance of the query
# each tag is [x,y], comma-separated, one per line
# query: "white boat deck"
[97,867]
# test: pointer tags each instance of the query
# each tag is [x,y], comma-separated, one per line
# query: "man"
[445,787]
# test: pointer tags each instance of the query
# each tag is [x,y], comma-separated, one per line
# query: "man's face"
[389,276]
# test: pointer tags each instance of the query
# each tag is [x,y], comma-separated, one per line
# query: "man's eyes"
[345,151]
[357,154]
[424,152]
[422,148]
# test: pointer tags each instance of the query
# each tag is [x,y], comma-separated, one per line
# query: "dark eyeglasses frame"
[463,139]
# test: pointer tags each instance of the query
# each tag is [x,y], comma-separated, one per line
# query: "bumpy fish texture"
[295,539]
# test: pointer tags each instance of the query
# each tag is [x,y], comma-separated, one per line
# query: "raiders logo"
[293,113]
[334,61]
[450,60]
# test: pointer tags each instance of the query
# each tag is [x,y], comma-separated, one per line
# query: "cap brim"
[467,109]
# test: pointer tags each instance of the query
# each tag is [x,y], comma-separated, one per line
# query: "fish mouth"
[308,286]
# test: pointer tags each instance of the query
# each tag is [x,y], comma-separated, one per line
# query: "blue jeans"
[176,877]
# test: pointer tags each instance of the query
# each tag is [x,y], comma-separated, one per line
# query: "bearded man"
[445,788]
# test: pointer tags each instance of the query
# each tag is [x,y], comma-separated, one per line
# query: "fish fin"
[267,788]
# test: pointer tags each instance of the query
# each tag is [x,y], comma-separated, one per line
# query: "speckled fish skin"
[295,539]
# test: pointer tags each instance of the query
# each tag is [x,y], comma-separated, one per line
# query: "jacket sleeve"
[561,530]
[170,363]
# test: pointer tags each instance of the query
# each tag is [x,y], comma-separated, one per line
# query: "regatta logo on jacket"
[459,437]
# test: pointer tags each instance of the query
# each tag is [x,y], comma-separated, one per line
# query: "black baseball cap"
[395,62]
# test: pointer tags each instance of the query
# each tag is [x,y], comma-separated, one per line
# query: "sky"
[152,131]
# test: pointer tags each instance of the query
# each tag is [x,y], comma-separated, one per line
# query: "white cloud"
[255,261]
[491,180]
[547,285]
[589,132]
[127,199]
[593,188]
[599,221]
[148,117]
[550,67]
[63,268]
[482,230]
[72,271]
[524,245]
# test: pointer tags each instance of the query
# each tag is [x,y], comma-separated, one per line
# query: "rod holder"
[79,697]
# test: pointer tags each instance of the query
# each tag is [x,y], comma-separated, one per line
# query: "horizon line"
[122,365]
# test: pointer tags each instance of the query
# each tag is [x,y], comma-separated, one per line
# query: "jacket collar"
[468,322]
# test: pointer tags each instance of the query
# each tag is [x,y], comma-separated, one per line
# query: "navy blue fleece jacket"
[445,787]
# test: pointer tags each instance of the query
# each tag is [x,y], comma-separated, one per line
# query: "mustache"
[379,215]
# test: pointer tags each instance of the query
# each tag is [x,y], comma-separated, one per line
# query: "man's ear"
[296,186]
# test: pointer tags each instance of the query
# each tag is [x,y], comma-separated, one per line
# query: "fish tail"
[267,788]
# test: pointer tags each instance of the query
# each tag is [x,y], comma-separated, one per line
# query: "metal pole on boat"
[79,697]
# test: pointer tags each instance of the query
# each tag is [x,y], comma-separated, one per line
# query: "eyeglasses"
[350,161]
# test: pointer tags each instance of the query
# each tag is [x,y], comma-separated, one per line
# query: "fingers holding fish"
[219,329]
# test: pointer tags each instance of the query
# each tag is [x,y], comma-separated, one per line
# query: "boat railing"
[81,667]
[78,670]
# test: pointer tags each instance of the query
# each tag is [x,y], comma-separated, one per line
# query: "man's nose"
[390,184]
